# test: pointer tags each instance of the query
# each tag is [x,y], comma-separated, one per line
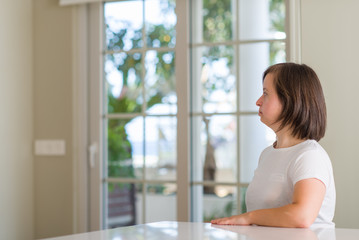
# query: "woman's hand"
[301,213]
[242,219]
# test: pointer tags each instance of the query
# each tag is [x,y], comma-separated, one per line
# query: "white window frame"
[87,69]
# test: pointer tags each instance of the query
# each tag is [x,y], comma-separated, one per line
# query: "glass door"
[140,107]
[174,130]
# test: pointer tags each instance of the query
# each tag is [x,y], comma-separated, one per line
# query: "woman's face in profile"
[269,104]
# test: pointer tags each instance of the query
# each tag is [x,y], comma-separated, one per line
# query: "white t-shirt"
[280,169]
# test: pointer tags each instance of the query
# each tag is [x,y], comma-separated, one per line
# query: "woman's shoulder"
[311,145]
[312,151]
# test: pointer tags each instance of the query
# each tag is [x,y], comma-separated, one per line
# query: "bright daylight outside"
[232,42]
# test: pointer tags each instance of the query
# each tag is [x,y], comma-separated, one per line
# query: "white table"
[198,231]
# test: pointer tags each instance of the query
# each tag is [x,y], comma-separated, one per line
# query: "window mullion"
[182,89]
[237,54]
[293,30]
[144,107]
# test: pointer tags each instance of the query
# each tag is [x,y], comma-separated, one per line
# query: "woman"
[293,185]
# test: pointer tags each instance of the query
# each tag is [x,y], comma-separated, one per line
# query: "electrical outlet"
[50,147]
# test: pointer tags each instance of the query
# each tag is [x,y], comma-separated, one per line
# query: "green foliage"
[119,150]
[124,104]
[214,83]
[160,36]
[229,208]
[277,15]
[227,212]
[217,20]
[155,188]
[277,18]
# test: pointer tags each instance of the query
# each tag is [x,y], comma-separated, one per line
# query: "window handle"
[92,149]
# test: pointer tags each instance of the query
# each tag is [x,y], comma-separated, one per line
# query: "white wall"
[330,37]
[16,121]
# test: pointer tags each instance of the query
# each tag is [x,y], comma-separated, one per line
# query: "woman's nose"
[259,101]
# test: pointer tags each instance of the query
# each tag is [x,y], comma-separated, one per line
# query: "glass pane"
[160,83]
[254,59]
[212,21]
[277,52]
[214,81]
[161,147]
[124,85]
[161,203]
[221,204]
[254,137]
[124,24]
[125,148]
[122,204]
[214,149]
[160,23]
[243,191]
[261,19]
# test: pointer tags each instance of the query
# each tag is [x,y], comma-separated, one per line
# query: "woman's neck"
[285,139]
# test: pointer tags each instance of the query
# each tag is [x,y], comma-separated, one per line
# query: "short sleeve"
[311,164]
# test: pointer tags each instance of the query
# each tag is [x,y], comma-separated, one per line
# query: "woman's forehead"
[268,81]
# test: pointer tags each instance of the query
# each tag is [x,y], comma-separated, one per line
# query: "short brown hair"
[301,94]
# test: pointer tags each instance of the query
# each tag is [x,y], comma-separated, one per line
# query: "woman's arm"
[301,213]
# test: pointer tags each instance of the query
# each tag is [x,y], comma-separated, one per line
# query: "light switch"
[50,147]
